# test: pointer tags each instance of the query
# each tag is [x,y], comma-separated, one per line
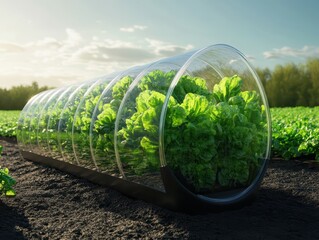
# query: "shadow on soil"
[10,222]
[295,165]
[274,214]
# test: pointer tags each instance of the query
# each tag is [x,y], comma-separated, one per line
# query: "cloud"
[50,49]
[165,49]
[47,42]
[45,74]
[73,37]
[7,47]
[43,80]
[57,62]
[103,52]
[133,28]
[250,58]
[305,52]
[127,52]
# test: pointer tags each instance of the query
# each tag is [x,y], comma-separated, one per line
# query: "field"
[51,204]
[295,131]
[8,123]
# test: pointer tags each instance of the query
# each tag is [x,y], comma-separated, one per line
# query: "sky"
[60,42]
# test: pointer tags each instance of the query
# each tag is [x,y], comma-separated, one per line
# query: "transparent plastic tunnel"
[190,132]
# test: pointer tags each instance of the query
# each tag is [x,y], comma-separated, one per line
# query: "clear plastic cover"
[53,123]
[215,135]
[24,122]
[32,120]
[203,114]
[103,121]
[137,123]
[43,119]
[66,122]
[82,122]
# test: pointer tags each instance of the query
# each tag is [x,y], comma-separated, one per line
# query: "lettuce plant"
[213,139]
[6,181]
[295,132]
[103,130]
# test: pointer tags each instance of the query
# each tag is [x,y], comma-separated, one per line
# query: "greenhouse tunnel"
[190,132]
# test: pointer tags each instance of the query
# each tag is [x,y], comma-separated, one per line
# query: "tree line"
[16,97]
[292,85]
[286,86]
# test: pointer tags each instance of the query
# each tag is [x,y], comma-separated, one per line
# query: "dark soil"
[51,204]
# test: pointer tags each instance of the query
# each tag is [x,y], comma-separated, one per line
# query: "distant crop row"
[295,131]
[8,123]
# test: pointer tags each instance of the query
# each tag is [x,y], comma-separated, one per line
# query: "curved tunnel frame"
[176,195]
[248,191]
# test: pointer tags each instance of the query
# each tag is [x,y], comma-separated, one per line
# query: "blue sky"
[61,42]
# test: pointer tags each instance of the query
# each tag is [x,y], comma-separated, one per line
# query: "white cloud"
[113,51]
[7,47]
[250,57]
[165,49]
[11,80]
[139,27]
[117,51]
[107,53]
[305,52]
[133,28]
[45,43]
[232,61]
[73,37]
[50,49]
[55,62]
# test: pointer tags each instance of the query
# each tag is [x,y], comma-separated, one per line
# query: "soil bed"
[51,204]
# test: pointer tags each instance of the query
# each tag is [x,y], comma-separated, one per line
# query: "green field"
[295,131]
[8,123]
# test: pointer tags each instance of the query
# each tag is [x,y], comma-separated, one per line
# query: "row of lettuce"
[6,181]
[213,138]
[8,125]
[295,130]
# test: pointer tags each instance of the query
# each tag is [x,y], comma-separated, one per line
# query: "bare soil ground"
[51,204]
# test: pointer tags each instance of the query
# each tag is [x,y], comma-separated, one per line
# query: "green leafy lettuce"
[104,125]
[6,181]
[212,138]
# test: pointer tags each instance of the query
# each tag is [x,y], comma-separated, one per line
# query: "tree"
[16,97]
[312,71]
